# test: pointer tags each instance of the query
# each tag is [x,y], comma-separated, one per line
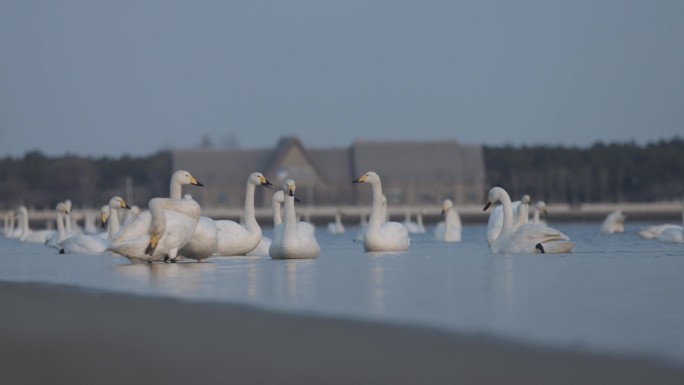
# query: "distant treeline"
[39,181]
[601,173]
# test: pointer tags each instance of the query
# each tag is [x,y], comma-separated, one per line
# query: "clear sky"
[135,76]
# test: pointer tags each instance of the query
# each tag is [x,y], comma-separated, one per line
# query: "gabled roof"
[273,160]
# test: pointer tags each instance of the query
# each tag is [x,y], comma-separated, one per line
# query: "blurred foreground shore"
[64,335]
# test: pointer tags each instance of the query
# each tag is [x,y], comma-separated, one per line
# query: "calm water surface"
[615,293]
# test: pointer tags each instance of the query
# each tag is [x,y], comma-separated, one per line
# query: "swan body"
[236,239]
[204,240]
[293,239]
[673,233]
[528,238]
[264,246]
[336,227]
[450,229]
[94,243]
[381,235]
[652,232]
[412,227]
[614,223]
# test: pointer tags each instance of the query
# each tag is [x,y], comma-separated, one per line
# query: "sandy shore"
[62,335]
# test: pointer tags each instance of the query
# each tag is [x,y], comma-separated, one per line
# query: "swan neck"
[377,216]
[277,218]
[290,230]
[536,215]
[250,220]
[60,225]
[175,189]
[113,223]
[67,222]
[508,215]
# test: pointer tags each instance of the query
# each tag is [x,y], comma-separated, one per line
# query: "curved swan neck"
[175,189]
[250,220]
[521,218]
[507,213]
[377,216]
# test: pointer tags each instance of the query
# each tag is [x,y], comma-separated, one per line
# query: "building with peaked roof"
[413,173]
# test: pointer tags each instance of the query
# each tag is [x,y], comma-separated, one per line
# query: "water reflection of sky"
[617,293]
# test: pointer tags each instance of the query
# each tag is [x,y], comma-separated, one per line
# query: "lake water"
[615,293]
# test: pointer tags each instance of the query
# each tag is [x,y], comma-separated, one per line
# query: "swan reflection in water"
[185,279]
[299,283]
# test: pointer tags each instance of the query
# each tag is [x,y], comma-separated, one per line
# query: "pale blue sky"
[114,77]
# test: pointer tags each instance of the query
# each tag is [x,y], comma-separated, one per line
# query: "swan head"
[258,178]
[290,187]
[118,203]
[61,208]
[67,204]
[541,206]
[278,197]
[448,204]
[369,177]
[526,199]
[494,195]
[182,177]
[104,215]
[22,210]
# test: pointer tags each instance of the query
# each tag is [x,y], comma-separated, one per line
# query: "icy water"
[615,293]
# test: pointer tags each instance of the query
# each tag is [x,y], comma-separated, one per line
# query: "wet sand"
[64,335]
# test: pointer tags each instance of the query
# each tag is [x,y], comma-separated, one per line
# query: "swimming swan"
[28,235]
[95,244]
[614,223]
[234,239]
[293,239]
[450,229]
[673,234]
[496,218]
[527,239]
[336,227]
[60,234]
[381,235]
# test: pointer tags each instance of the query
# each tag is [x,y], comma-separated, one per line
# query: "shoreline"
[64,334]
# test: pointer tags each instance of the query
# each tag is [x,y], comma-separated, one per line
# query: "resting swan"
[293,239]
[673,234]
[182,216]
[336,227]
[265,244]
[496,218]
[450,229]
[234,239]
[28,235]
[528,238]
[95,244]
[656,231]
[381,235]
[614,223]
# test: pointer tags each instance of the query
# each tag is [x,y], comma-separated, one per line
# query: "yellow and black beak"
[290,192]
[104,218]
[443,212]
[194,182]
[125,205]
[297,200]
[359,179]
[487,206]
[264,182]
[66,211]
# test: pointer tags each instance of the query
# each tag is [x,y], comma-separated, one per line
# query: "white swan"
[28,235]
[528,238]
[172,224]
[9,224]
[60,234]
[674,233]
[234,239]
[94,244]
[614,223]
[412,227]
[495,222]
[336,227]
[204,240]
[381,235]
[292,239]
[182,216]
[450,229]
[539,208]
[265,244]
